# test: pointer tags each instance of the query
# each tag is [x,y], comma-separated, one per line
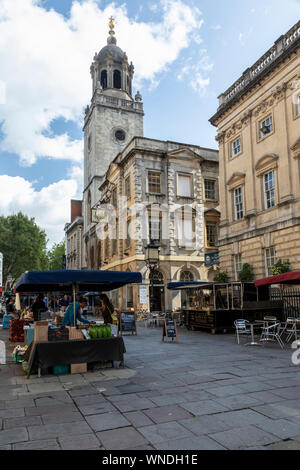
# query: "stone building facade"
[73,233]
[258,123]
[165,192]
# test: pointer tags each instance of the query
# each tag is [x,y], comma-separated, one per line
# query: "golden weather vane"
[111,24]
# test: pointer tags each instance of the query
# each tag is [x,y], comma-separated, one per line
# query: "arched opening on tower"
[117,79]
[104,79]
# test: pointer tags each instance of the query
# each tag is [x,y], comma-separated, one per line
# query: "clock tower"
[112,119]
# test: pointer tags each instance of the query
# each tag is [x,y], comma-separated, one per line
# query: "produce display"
[16,331]
[100,331]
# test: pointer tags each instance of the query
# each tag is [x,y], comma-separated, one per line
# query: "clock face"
[120,135]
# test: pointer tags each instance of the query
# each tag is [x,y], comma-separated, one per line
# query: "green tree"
[246,273]
[55,256]
[23,244]
[281,267]
[221,277]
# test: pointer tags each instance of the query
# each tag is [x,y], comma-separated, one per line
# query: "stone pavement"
[205,392]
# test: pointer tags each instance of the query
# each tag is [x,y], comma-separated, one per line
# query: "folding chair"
[272,333]
[241,328]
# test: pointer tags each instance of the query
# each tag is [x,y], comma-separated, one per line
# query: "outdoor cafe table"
[252,325]
[50,353]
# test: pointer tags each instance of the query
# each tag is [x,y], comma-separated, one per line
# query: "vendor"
[106,309]
[38,307]
[68,319]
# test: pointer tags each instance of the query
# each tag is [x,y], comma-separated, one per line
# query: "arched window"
[157,278]
[186,276]
[89,209]
[104,79]
[117,79]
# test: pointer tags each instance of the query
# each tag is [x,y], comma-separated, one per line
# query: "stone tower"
[112,119]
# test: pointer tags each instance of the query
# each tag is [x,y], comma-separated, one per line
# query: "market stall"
[54,345]
[215,306]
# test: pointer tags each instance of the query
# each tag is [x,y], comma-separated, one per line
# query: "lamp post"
[152,262]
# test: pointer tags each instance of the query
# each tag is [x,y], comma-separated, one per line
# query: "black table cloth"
[52,353]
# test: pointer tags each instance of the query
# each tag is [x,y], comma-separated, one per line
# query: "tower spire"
[111,39]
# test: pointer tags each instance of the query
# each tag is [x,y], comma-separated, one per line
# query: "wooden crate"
[78,368]
[74,333]
[40,331]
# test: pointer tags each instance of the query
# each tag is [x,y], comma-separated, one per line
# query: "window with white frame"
[155,225]
[127,187]
[211,234]
[184,185]
[236,147]
[186,228]
[270,260]
[266,127]
[298,105]
[154,182]
[210,190]
[269,189]
[238,264]
[238,204]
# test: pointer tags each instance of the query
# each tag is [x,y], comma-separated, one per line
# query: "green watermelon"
[99,332]
[104,333]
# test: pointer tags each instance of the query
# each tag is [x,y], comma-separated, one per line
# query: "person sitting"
[68,319]
[38,307]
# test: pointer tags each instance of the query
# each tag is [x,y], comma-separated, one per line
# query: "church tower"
[112,119]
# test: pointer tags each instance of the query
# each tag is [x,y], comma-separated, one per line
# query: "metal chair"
[241,328]
[272,333]
[291,328]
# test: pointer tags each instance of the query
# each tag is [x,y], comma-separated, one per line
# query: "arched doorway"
[157,286]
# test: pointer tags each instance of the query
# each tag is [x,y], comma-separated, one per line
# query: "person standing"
[68,319]
[106,308]
[38,307]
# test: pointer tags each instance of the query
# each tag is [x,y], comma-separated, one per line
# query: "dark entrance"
[158,291]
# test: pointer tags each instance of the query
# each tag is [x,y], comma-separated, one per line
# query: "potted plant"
[221,277]
[281,267]
[246,273]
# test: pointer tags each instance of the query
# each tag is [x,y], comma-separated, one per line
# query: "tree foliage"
[55,256]
[246,273]
[23,244]
[281,267]
[221,277]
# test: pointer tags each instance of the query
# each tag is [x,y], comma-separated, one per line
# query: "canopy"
[292,277]
[64,281]
[188,285]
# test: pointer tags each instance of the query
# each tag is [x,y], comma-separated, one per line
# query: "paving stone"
[204,407]
[284,445]
[282,409]
[12,413]
[238,402]
[44,387]
[204,424]
[193,443]
[132,388]
[86,441]
[20,403]
[22,422]
[97,408]
[107,421]
[82,391]
[159,433]
[247,436]
[90,399]
[241,418]
[282,428]
[11,436]
[134,405]
[265,397]
[70,417]
[45,410]
[49,444]
[289,392]
[226,391]
[49,431]
[123,438]
[163,414]
[138,419]
[7,447]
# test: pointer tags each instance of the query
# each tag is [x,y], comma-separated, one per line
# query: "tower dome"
[110,68]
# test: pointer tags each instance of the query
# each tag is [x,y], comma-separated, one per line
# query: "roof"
[188,285]
[112,50]
[292,277]
[56,281]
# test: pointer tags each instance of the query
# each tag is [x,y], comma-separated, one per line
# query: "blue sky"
[185,52]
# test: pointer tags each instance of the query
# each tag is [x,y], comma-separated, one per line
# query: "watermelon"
[104,333]
[99,332]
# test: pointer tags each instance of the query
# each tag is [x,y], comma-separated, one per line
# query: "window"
[114,198]
[270,260]
[154,182]
[210,190]
[298,105]
[155,224]
[128,238]
[211,234]
[117,79]
[184,186]
[238,204]
[129,295]
[186,228]
[236,147]
[89,143]
[269,189]
[106,247]
[187,276]
[266,127]
[104,79]
[115,241]
[127,187]
[238,264]
[120,135]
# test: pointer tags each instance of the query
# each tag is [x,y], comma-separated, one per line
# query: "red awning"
[292,277]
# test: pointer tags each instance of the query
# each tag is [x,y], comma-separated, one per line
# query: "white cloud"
[196,72]
[50,206]
[45,60]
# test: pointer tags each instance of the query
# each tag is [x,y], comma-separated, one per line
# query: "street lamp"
[152,261]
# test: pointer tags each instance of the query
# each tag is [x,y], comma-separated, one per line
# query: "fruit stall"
[70,349]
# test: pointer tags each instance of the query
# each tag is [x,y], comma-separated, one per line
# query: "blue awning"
[189,285]
[63,281]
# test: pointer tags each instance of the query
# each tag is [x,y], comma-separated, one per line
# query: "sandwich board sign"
[170,330]
[128,322]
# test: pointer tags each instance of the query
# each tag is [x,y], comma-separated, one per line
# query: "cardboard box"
[40,331]
[78,368]
[74,333]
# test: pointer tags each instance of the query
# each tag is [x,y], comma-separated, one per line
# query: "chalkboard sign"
[170,330]
[128,322]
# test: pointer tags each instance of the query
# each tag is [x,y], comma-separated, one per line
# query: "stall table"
[51,353]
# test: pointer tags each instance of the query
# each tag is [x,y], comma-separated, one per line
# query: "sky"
[185,53]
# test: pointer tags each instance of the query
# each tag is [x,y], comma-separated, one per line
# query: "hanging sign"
[170,330]
[143,294]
